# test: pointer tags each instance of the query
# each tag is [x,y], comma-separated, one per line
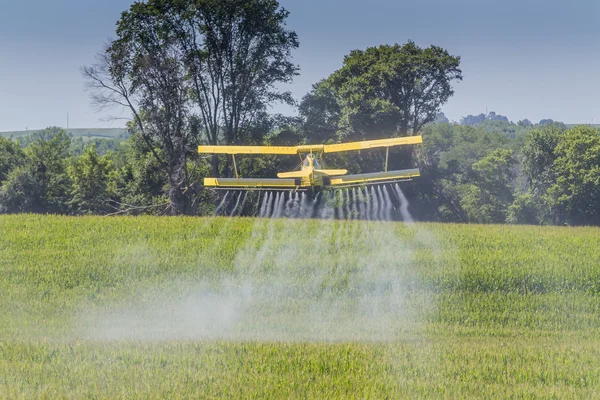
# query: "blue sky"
[521,58]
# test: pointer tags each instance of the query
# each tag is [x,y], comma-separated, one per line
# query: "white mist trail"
[403,205]
[236,205]
[218,209]
[292,279]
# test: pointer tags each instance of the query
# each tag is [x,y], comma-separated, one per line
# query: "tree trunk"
[215,165]
[177,184]
[228,171]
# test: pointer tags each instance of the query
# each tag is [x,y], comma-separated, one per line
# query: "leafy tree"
[192,68]
[386,90]
[504,128]
[576,193]
[525,123]
[446,159]
[41,135]
[492,116]
[487,199]
[139,181]
[11,156]
[380,92]
[478,119]
[473,119]
[41,184]
[90,179]
[538,156]
[155,87]
[526,209]
[103,146]
[320,113]
[236,52]
[21,192]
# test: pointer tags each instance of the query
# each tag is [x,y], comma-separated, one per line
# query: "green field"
[247,308]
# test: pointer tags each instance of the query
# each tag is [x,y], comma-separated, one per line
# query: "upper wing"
[247,149]
[309,148]
[372,144]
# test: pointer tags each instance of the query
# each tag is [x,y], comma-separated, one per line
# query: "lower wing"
[375,177]
[249,183]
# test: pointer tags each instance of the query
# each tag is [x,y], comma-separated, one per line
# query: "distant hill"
[92,133]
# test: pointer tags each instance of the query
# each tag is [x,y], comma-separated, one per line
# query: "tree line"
[192,72]
[544,174]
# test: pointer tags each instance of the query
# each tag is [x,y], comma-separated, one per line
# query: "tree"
[525,123]
[41,184]
[576,193]
[525,210]
[90,179]
[192,68]
[441,118]
[388,90]
[142,71]
[446,160]
[492,116]
[488,198]
[473,119]
[546,121]
[236,52]
[139,180]
[11,156]
[478,119]
[538,156]
[21,192]
[320,113]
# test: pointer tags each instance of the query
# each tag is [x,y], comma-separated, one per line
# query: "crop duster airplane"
[309,175]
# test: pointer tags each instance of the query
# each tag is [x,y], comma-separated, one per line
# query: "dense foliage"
[382,91]
[496,172]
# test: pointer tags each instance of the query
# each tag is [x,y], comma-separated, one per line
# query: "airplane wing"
[247,149]
[375,177]
[297,183]
[371,144]
[311,148]
[250,183]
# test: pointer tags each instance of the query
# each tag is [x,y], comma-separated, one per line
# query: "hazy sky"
[521,58]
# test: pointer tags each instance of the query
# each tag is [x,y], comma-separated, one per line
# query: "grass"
[243,308]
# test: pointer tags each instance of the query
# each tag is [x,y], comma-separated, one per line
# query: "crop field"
[150,307]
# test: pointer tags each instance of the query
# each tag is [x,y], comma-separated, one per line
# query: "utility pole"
[67,120]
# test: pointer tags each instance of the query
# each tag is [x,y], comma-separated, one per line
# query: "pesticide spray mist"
[375,203]
[302,275]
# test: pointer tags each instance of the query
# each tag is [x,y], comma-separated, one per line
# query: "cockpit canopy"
[311,161]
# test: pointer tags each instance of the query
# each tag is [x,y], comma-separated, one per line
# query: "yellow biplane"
[309,174]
